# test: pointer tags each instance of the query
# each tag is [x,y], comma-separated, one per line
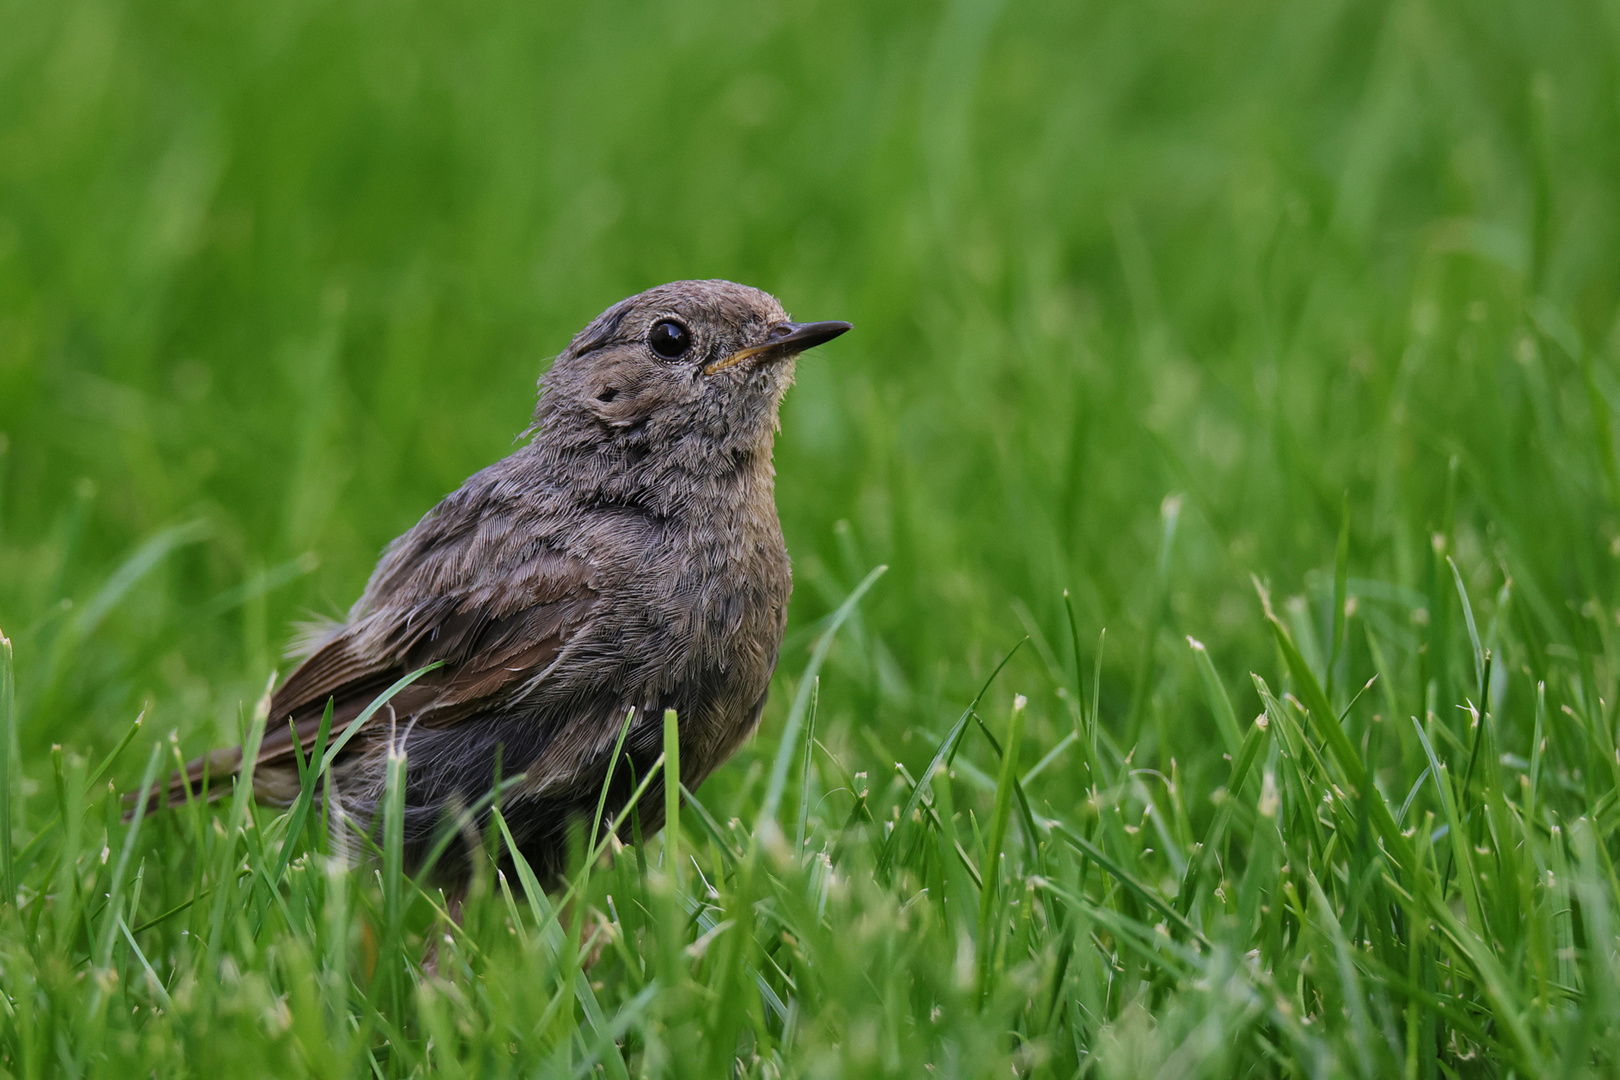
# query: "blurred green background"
[274,278]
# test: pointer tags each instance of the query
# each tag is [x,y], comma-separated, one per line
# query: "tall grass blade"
[1138,888]
[368,712]
[308,777]
[1209,850]
[998,837]
[1473,630]
[607,780]
[125,854]
[1537,741]
[1170,517]
[789,743]
[116,752]
[140,563]
[8,771]
[1220,706]
[1341,595]
[804,771]
[1343,751]
[943,754]
[672,800]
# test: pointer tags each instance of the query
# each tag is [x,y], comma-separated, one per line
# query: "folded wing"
[495,630]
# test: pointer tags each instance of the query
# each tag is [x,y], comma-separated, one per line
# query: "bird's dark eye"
[669,338]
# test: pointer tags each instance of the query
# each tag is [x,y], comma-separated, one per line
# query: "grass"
[1281,340]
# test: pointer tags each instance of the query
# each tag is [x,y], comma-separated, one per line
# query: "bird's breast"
[722,584]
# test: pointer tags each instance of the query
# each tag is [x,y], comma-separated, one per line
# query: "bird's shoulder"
[506,538]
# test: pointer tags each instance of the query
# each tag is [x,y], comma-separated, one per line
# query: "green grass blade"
[1096,691]
[393,846]
[1343,751]
[943,754]
[308,777]
[1341,594]
[1169,517]
[1473,630]
[154,983]
[1210,848]
[125,854]
[551,932]
[224,862]
[354,726]
[1129,880]
[804,771]
[8,772]
[626,814]
[998,837]
[672,801]
[1051,756]
[140,563]
[607,780]
[117,751]
[1461,848]
[1537,741]
[1226,721]
[789,743]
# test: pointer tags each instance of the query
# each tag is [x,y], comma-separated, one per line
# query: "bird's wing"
[493,619]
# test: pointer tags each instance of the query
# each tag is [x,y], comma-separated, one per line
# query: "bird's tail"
[209,778]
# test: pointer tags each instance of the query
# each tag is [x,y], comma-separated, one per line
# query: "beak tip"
[808,335]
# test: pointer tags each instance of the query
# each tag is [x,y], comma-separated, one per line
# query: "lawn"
[1231,404]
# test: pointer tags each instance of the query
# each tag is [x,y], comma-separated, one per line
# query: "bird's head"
[698,366]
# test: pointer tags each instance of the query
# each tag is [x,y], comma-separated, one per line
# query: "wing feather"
[493,638]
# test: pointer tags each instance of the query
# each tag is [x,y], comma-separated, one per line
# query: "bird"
[625,560]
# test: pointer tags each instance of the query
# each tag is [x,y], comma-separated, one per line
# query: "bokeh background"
[1148,298]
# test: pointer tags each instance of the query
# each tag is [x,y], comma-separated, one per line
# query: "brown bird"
[628,557]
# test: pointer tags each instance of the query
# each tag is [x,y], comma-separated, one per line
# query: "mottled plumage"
[629,556]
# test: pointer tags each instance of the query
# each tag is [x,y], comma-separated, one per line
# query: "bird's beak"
[785,339]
